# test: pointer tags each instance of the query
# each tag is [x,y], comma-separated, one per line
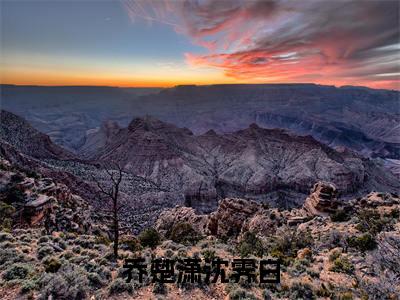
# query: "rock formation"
[322,200]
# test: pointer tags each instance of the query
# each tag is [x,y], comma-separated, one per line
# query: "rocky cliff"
[269,165]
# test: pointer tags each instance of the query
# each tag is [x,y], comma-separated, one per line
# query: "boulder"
[180,214]
[230,216]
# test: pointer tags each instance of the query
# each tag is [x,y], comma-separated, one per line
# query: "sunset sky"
[166,43]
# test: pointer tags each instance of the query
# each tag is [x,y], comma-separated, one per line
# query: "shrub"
[95,280]
[334,255]
[119,286]
[340,215]
[208,254]
[69,283]
[149,238]
[45,251]
[168,253]
[28,285]
[183,233]
[51,264]
[14,195]
[7,245]
[44,239]
[102,240]
[17,271]
[300,266]
[31,173]
[85,241]
[300,290]
[342,265]
[10,256]
[6,237]
[288,242]
[6,214]
[16,178]
[363,243]
[345,296]
[250,244]
[76,249]
[131,244]
[371,221]
[159,288]
[241,294]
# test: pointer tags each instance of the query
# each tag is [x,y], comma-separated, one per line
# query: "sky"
[167,43]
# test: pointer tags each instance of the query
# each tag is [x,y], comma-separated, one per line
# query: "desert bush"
[90,253]
[345,296]
[69,283]
[14,195]
[131,244]
[363,243]
[342,265]
[31,173]
[95,280]
[168,253]
[25,238]
[45,250]
[7,245]
[300,266]
[85,241]
[6,214]
[149,238]
[51,264]
[28,285]
[183,233]
[371,221]
[16,178]
[10,256]
[250,244]
[44,239]
[300,290]
[76,249]
[340,215]
[241,294]
[102,240]
[334,255]
[6,237]
[159,288]
[208,254]
[171,245]
[67,254]
[17,271]
[288,242]
[394,213]
[119,286]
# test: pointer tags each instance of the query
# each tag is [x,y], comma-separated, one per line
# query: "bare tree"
[111,192]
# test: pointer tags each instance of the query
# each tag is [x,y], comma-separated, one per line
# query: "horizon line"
[188,85]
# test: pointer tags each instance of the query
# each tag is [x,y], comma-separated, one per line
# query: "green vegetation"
[119,286]
[363,243]
[6,213]
[250,244]
[149,238]
[371,221]
[183,233]
[342,265]
[51,264]
[340,215]
[17,271]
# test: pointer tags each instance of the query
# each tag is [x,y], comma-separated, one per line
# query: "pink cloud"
[335,42]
